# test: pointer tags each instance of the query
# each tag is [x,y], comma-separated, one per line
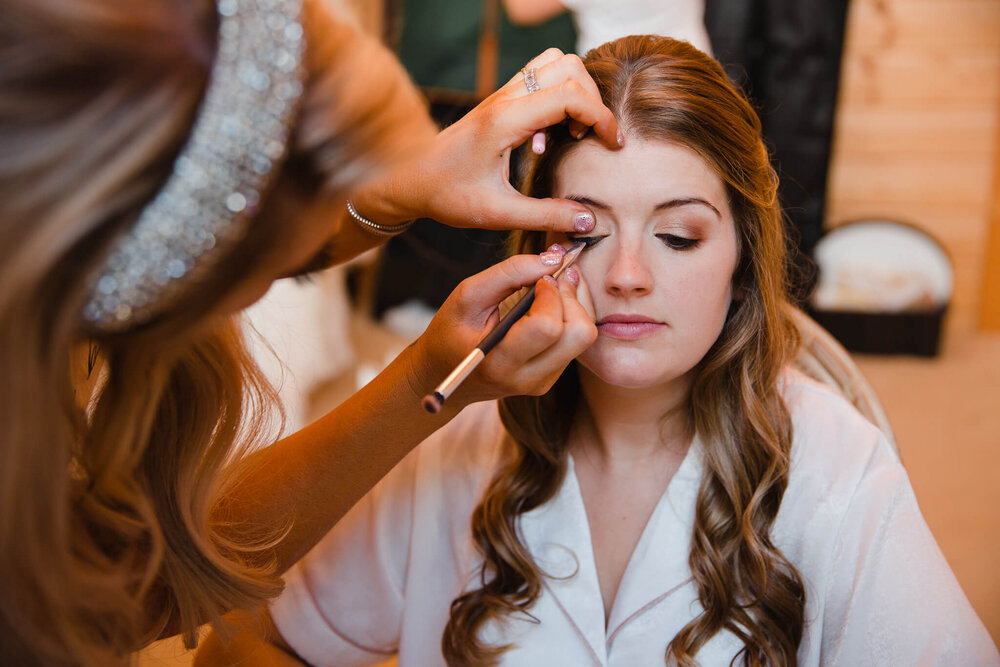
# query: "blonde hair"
[662,89]
[113,527]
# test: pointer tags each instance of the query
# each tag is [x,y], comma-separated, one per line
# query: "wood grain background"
[916,136]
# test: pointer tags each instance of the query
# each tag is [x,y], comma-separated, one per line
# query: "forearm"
[400,193]
[462,177]
[252,639]
[301,486]
[310,479]
[353,238]
[532,12]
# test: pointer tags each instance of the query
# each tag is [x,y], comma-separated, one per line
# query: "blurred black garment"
[427,262]
[786,55]
[457,52]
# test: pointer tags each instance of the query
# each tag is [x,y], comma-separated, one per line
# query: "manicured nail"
[573,276]
[621,138]
[550,280]
[538,143]
[583,222]
[581,133]
[550,258]
[555,247]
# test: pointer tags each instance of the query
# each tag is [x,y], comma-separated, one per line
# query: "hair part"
[666,90]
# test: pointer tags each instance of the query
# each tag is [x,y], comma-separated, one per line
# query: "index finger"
[547,56]
[489,287]
[526,114]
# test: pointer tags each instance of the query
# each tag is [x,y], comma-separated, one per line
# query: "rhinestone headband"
[239,136]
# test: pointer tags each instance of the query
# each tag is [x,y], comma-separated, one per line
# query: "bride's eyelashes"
[678,242]
[672,241]
[587,241]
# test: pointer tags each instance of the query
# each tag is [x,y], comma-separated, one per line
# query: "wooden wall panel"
[919,24]
[990,311]
[916,135]
[936,76]
[900,128]
[900,176]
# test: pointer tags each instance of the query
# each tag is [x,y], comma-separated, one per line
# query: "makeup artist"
[163,162]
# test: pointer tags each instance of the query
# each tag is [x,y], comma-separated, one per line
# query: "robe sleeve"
[891,598]
[343,603]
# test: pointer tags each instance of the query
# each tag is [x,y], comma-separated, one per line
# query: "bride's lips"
[628,327]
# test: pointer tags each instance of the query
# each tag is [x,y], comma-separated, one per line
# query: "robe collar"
[558,537]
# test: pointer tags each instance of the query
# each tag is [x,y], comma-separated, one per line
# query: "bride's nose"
[628,274]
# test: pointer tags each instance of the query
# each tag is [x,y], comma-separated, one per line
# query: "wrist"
[392,199]
[377,228]
[425,369]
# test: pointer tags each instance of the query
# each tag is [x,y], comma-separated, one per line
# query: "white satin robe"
[879,592]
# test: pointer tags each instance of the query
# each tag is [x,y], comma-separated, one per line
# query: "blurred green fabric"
[438,41]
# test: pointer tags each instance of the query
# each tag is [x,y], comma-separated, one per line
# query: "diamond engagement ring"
[530,82]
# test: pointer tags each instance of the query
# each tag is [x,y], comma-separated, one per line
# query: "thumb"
[481,293]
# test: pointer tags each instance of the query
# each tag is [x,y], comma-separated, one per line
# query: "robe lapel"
[558,537]
[659,565]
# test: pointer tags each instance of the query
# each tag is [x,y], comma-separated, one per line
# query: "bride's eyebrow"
[687,201]
[671,203]
[587,201]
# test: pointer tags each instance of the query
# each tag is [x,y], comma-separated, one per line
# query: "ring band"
[530,82]
[374,227]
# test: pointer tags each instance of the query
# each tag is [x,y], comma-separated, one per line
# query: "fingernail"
[572,275]
[538,143]
[555,247]
[581,133]
[550,280]
[583,222]
[621,138]
[550,258]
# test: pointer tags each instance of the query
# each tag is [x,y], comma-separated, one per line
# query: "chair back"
[825,360]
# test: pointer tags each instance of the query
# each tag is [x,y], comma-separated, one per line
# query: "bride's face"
[659,262]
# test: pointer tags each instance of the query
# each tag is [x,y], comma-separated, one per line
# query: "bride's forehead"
[641,167]
[589,155]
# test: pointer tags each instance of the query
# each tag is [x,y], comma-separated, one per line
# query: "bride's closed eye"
[587,241]
[678,242]
[670,240]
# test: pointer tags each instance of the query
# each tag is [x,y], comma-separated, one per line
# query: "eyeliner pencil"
[434,401]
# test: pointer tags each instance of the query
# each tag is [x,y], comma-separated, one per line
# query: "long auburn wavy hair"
[110,523]
[666,90]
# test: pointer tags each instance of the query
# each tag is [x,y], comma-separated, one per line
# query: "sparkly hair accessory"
[239,136]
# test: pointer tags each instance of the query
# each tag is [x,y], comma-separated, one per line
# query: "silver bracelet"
[374,227]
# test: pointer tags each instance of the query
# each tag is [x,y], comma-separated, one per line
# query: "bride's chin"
[621,378]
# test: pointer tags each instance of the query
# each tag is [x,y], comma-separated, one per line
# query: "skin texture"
[532,12]
[462,178]
[659,269]
[640,195]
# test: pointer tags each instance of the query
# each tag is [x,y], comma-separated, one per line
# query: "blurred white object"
[881,266]
[825,360]
[302,338]
[409,319]
[600,21]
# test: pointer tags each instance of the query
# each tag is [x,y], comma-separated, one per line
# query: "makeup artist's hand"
[557,328]
[463,179]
